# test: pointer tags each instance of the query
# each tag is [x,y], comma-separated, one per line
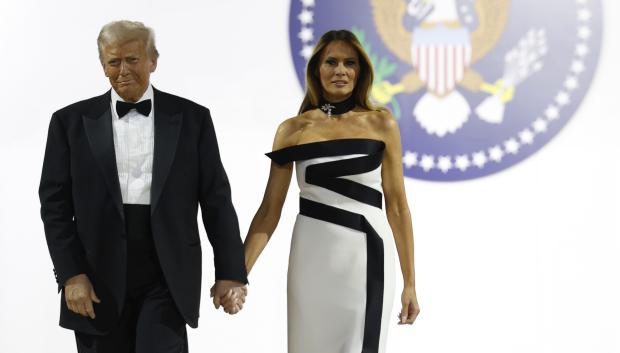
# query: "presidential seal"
[476,85]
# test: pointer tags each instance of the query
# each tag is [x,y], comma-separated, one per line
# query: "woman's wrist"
[409,283]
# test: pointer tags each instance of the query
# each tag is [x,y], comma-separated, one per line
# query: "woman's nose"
[340,69]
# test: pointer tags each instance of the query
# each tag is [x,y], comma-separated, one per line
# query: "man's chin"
[127,93]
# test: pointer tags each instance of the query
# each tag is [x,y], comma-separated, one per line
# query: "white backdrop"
[525,260]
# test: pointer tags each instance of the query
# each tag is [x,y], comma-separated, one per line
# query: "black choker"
[338,108]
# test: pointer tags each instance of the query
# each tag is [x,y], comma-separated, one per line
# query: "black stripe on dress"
[374,266]
[328,148]
[327,175]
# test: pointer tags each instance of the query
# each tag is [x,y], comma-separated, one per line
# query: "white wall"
[525,260]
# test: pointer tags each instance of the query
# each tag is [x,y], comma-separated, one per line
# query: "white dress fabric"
[341,264]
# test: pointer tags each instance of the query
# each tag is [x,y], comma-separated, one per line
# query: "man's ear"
[153,65]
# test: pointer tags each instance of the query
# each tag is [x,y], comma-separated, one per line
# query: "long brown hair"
[314,90]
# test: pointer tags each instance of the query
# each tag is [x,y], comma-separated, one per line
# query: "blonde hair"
[314,90]
[120,32]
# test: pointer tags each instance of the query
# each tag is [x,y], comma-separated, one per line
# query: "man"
[122,179]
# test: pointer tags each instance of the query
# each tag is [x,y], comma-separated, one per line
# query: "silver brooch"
[328,109]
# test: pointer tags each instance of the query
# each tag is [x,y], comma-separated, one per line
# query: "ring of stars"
[306,33]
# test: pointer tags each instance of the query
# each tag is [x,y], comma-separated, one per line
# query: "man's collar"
[148,94]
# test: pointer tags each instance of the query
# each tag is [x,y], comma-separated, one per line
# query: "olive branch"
[383,67]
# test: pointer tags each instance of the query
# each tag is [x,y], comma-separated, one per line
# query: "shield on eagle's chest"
[440,56]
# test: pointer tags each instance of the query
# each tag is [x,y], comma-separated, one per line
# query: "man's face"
[128,68]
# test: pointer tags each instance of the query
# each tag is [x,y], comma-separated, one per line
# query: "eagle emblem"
[476,85]
[441,52]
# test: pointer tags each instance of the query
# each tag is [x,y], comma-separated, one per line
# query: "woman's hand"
[229,294]
[410,308]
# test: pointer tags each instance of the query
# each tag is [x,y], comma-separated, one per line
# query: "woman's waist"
[342,206]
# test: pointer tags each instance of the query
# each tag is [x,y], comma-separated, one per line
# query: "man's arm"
[218,213]
[57,206]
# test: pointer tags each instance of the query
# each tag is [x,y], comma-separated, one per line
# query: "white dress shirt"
[133,146]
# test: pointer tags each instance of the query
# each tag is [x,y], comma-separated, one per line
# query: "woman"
[340,276]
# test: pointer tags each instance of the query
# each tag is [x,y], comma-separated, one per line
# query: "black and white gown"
[341,264]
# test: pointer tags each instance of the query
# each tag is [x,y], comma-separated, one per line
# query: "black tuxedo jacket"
[81,205]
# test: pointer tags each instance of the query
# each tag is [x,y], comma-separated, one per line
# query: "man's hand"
[229,294]
[80,295]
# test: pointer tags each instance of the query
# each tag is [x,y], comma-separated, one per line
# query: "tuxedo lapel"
[168,122]
[98,127]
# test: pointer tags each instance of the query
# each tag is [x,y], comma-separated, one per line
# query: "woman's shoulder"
[289,130]
[381,119]
[294,122]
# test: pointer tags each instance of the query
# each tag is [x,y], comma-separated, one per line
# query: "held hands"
[229,294]
[80,295]
[410,308]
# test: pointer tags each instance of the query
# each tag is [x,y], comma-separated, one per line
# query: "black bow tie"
[144,107]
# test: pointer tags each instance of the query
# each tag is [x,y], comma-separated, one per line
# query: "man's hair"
[121,32]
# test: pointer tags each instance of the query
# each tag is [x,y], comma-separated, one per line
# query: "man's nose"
[124,68]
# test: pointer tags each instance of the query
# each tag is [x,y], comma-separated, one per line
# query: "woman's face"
[338,71]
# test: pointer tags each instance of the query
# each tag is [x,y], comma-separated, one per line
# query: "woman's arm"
[398,214]
[267,216]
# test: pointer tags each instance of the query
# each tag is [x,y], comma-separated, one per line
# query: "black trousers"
[150,321]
